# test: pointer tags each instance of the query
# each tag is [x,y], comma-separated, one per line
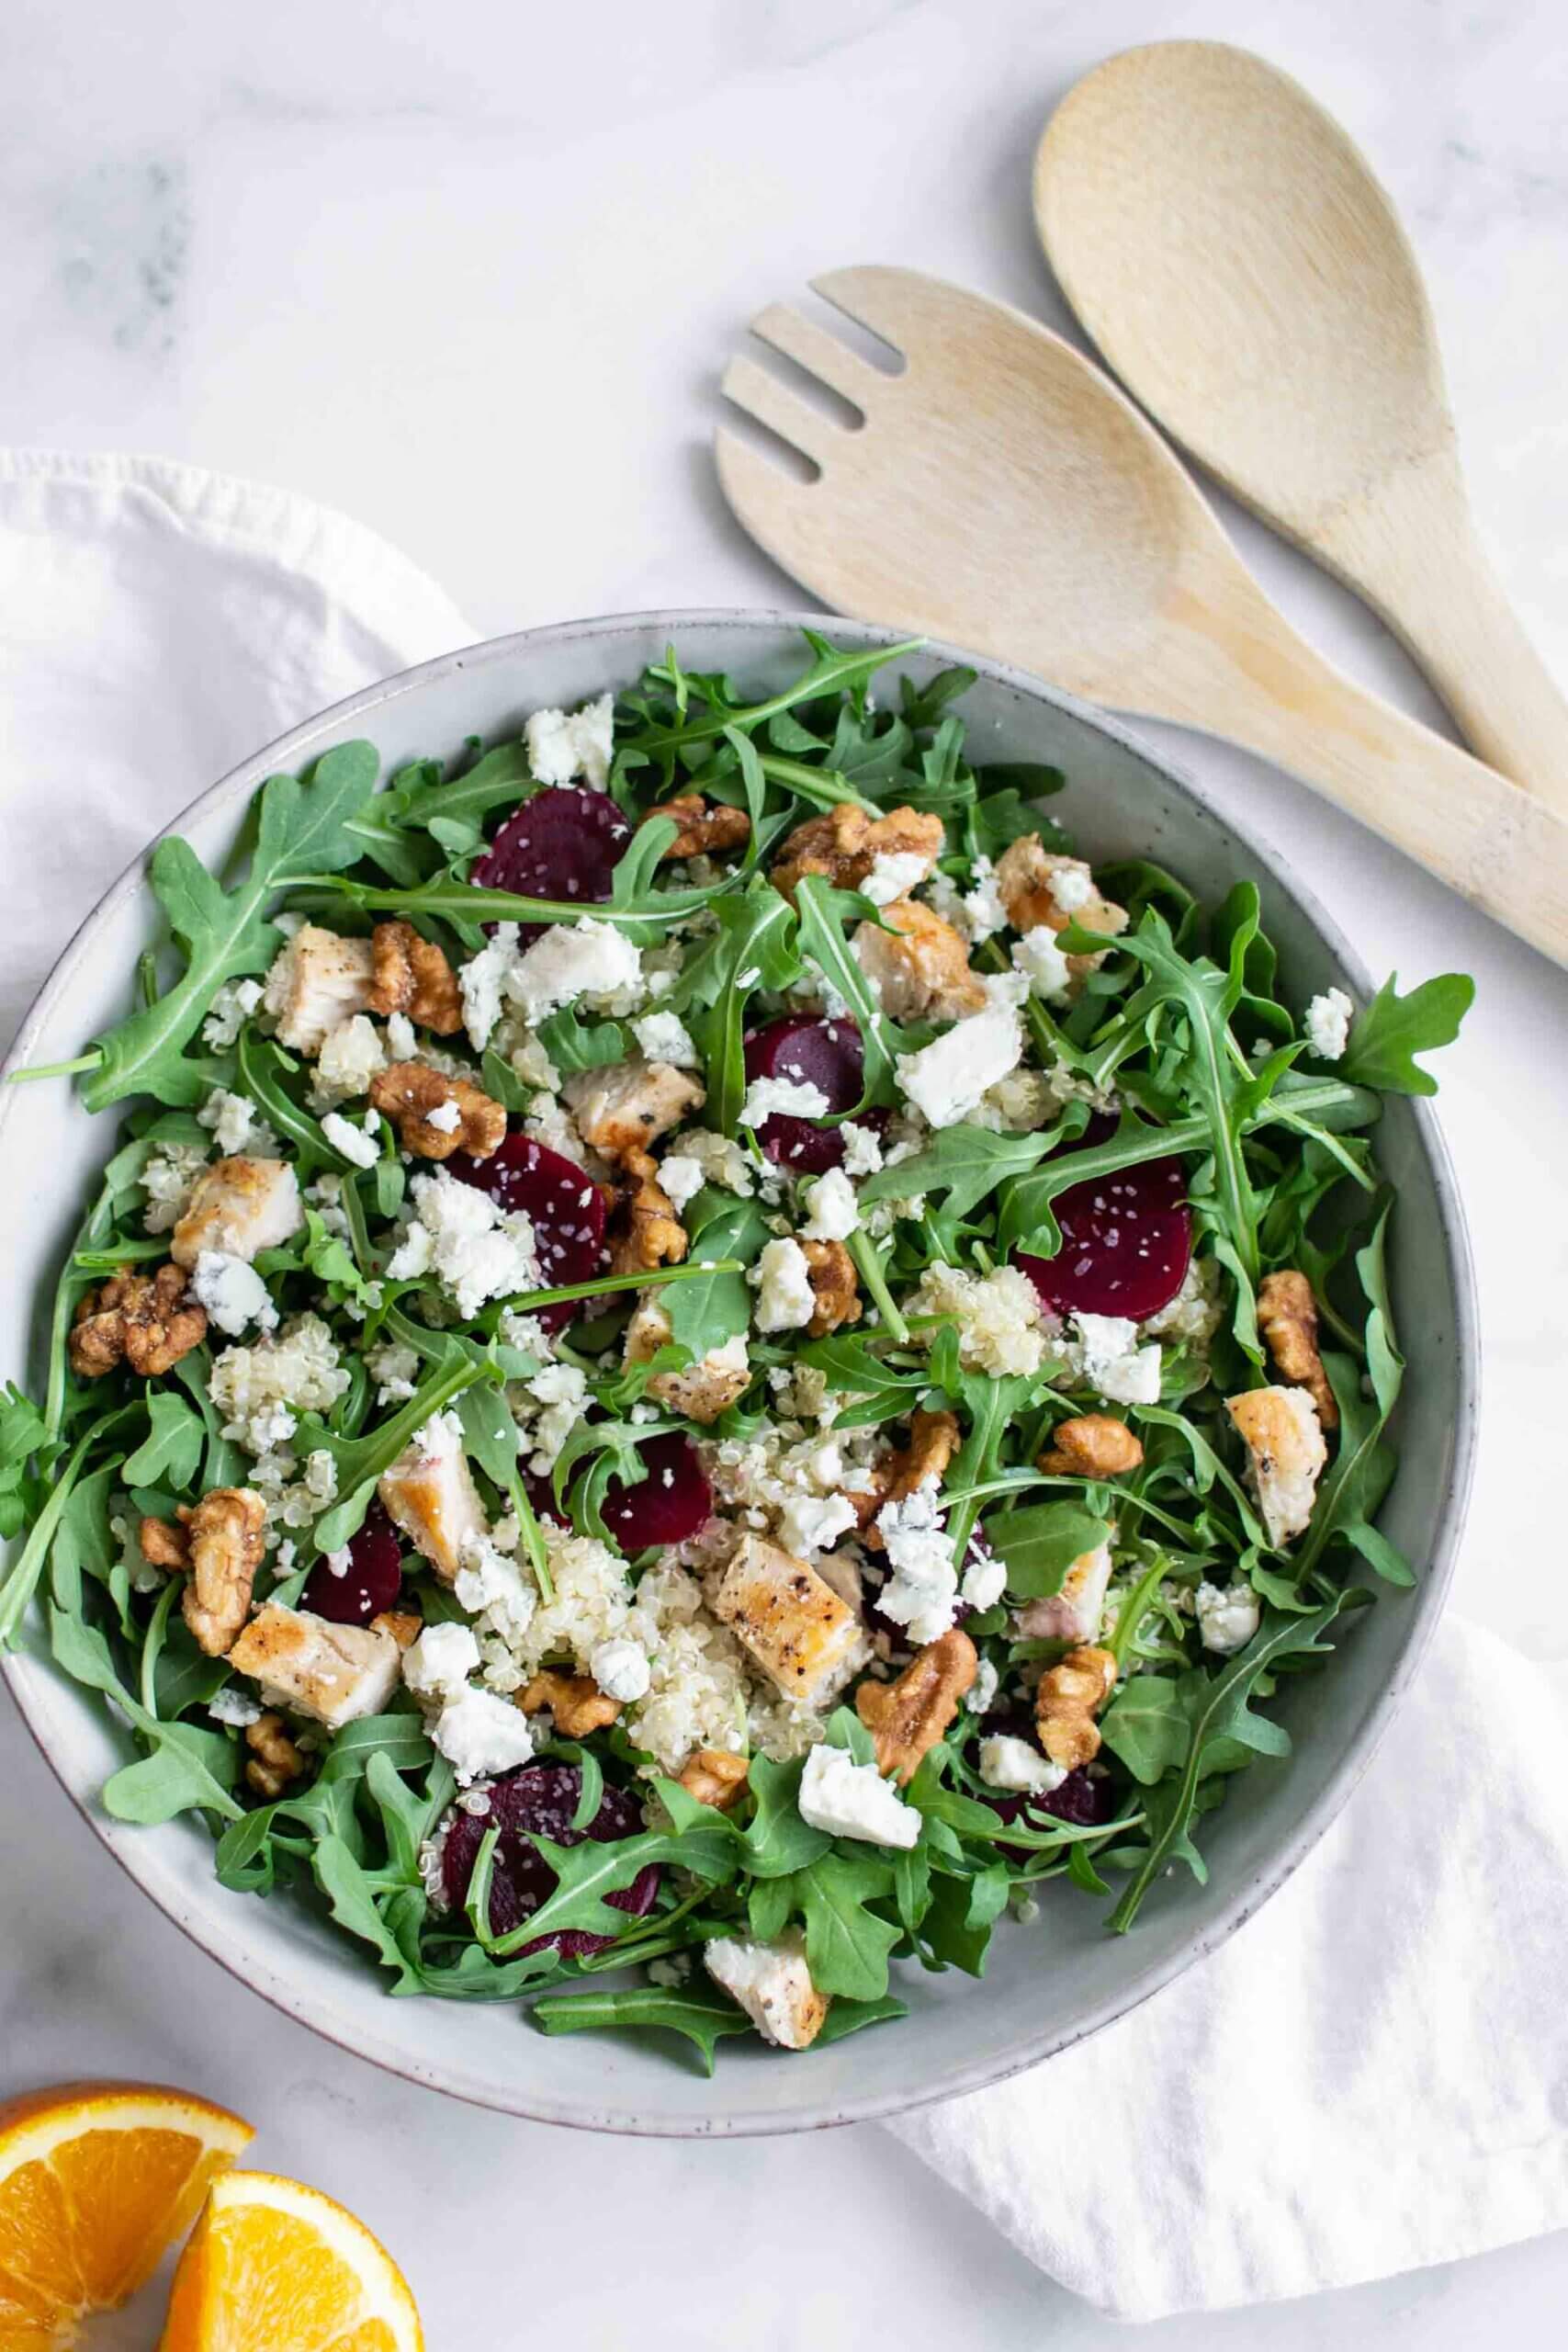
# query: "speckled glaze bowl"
[1048,1984]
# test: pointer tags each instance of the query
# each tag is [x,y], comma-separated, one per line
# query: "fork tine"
[767,501]
[761,395]
[891,302]
[821,353]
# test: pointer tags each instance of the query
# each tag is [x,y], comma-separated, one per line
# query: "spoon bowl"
[1227,247]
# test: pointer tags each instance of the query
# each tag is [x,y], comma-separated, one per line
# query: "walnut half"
[147,1321]
[907,1718]
[933,1441]
[645,1231]
[436,1115]
[275,1762]
[575,1700]
[412,975]
[714,1777]
[1287,1316]
[1070,1696]
[1094,1446]
[831,1272]
[225,1532]
[705,827]
[844,843]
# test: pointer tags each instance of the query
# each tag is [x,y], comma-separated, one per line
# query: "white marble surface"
[471,272]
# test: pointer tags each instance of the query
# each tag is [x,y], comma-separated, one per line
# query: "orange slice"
[274,2264]
[96,2181]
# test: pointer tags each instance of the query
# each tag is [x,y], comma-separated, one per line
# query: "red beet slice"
[371,1582]
[563,844]
[814,1053]
[1126,1241]
[540,1798]
[566,1206]
[666,1506]
[1086,1800]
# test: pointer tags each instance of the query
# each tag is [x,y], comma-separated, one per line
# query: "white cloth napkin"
[1371,2075]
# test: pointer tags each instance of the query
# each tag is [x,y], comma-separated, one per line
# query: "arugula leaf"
[965,1163]
[172,1447]
[778,1841]
[847,1945]
[1040,1544]
[703,2019]
[715,1307]
[302,829]
[1222,1713]
[1386,1037]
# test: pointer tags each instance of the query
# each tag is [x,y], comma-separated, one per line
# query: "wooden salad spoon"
[1001,492]
[1227,246]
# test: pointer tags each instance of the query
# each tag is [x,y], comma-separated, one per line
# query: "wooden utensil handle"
[1412,548]
[1239,670]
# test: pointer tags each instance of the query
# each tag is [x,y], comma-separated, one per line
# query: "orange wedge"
[96,2181]
[273,2264]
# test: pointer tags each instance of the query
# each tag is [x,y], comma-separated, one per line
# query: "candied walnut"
[225,1532]
[275,1761]
[621,1111]
[906,1718]
[403,1625]
[576,1701]
[148,1321]
[844,843]
[831,1271]
[1287,1316]
[165,1545]
[706,827]
[919,967]
[436,1115]
[412,975]
[714,1777]
[1025,873]
[645,1231]
[1095,1445]
[1070,1695]
[933,1441]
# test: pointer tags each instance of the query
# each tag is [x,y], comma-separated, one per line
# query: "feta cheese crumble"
[1107,1356]
[1228,1616]
[1327,1023]
[621,1669]
[476,1250]
[789,1097]
[564,745]
[437,1666]
[851,1800]
[1012,1764]
[1042,964]
[893,874]
[480,1734]
[357,1144]
[786,1301]
[682,1177]
[588,959]
[946,1078]
[922,1593]
[664,1038]
[232,1293]
[834,1212]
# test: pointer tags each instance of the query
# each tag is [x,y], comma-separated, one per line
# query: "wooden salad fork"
[1002,492]
[1227,247]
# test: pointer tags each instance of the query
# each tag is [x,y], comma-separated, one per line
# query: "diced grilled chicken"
[317,981]
[334,1674]
[773,1985]
[621,1111]
[922,974]
[1073,1613]
[701,1391]
[1284,1438]
[429,1492]
[239,1207]
[791,1620]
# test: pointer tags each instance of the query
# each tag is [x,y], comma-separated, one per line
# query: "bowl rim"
[227,1946]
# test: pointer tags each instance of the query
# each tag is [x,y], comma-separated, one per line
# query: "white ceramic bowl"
[1048,1984]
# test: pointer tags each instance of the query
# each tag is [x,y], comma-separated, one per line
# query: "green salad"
[701,1356]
